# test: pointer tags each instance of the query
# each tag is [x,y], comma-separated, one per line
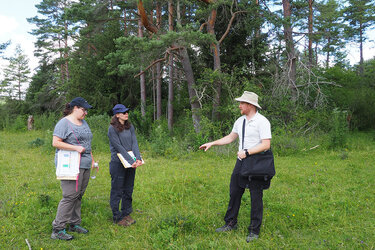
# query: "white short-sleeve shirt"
[257,129]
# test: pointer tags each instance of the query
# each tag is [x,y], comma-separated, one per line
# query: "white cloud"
[9,24]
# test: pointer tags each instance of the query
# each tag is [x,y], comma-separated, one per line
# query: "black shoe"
[226,227]
[61,235]
[251,237]
[78,229]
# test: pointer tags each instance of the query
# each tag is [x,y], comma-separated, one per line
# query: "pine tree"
[360,15]
[330,30]
[16,74]
[3,46]
[54,32]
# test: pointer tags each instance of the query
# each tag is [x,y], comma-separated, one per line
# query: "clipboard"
[67,165]
[124,162]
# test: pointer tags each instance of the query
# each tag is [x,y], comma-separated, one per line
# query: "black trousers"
[122,186]
[238,184]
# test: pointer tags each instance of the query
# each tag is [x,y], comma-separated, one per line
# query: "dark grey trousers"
[122,186]
[69,209]
[238,184]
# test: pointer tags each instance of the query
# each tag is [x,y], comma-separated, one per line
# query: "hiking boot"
[129,219]
[78,229]
[226,227]
[124,222]
[251,237]
[61,235]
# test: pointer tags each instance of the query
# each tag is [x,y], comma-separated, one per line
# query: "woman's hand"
[134,165]
[241,154]
[139,163]
[80,149]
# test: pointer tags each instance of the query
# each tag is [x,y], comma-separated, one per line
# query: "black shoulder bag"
[257,165]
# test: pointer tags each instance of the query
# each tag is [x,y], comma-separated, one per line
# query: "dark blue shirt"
[122,142]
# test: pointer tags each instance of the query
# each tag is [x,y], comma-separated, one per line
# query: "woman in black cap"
[73,133]
[122,139]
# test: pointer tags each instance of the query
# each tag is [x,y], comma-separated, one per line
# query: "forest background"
[179,64]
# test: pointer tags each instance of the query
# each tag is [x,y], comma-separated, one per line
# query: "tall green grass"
[319,199]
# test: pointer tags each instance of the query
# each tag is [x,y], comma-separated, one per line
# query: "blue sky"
[15,28]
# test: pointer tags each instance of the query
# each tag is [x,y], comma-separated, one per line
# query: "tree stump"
[30,122]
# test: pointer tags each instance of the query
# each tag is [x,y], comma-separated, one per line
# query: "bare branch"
[202,26]
[146,23]
[167,54]
[230,25]
[28,244]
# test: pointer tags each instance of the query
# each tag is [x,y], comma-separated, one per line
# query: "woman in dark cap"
[122,139]
[73,133]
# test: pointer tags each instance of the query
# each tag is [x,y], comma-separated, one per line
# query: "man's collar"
[252,118]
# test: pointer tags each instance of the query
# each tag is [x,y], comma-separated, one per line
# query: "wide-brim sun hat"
[249,97]
[120,108]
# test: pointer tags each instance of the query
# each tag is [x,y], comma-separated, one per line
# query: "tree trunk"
[142,80]
[125,25]
[316,53]
[361,49]
[292,60]
[258,15]
[328,55]
[310,32]
[178,13]
[170,71]
[158,91]
[66,54]
[158,67]
[215,50]
[154,92]
[62,78]
[195,107]
[19,90]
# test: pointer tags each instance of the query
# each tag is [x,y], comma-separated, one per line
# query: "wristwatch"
[247,153]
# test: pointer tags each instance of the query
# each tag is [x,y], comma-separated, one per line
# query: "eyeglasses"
[84,110]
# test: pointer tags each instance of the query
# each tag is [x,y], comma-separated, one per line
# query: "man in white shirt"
[257,139]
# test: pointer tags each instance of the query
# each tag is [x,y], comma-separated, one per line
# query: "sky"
[14,27]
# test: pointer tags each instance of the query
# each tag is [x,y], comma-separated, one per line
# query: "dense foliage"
[184,62]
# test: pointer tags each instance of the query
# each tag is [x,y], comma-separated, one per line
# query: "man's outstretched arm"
[225,140]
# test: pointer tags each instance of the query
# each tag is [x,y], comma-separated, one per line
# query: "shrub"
[339,129]
[37,142]
[19,124]
[161,142]
[99,128]
[46,121]
[143,124]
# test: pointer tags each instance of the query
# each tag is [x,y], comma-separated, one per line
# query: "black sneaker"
[251,237]
[226,227]
[61,235]
[78,229]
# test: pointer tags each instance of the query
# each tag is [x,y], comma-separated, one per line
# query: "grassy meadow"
[319,199]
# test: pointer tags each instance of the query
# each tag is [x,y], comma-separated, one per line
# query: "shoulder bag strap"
[243,132]
[73,132]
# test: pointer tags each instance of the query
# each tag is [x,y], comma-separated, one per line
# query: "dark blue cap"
[119,108]
[80,102]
